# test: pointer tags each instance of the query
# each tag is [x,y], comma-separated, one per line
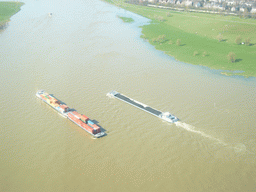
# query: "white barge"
[162,115]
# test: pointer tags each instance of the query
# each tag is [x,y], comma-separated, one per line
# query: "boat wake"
[239,148]
[191,128]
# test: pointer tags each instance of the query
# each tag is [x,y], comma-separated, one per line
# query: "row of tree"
[238,40]
[247,41]
[231,55]
[162,39]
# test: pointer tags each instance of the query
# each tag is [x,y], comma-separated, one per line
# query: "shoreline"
[196,48]
[3,25]
[8,9]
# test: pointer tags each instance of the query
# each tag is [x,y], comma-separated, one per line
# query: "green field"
[198,38]
[126,19]
[8,9]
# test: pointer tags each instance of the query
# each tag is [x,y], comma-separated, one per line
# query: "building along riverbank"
[200,38]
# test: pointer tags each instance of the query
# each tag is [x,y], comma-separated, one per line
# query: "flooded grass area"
[126,19]
[8,9]
[201,39]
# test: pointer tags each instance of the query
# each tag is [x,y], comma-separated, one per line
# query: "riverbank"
[7,10]
[200,38]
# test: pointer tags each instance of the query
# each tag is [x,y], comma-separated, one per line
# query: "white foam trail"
[239,148]
[109,95]
[192,129]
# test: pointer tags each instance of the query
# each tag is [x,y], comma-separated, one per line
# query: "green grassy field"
[126,19]
[198,36]
[8,9]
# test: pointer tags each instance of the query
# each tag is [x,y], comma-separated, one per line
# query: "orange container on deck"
[64,108]
[77,114]
[88,128]
[71,116]
[95,126]
[80,122]
[43,97]
[84,118]
[83,125]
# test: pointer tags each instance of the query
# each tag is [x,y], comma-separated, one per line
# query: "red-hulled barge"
[81,120]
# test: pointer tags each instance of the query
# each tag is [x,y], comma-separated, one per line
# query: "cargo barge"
[81,120]
[162,115]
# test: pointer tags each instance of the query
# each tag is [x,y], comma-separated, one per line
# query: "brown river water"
[79,54]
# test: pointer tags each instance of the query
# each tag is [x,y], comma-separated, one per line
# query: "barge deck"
[165,116]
